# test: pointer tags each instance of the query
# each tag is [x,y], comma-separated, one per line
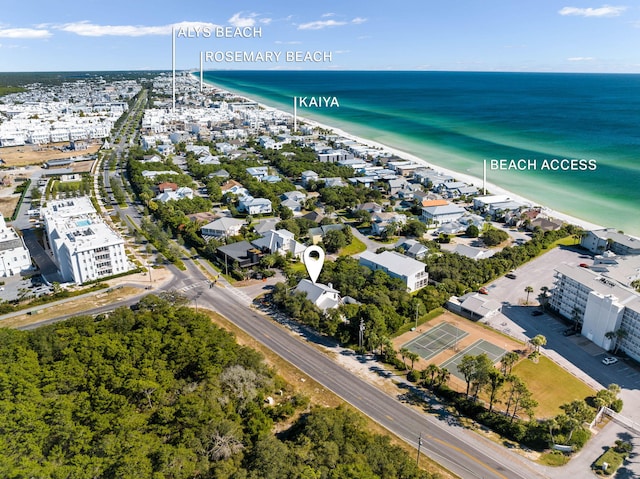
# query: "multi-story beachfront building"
[397,265]
[14,255]
[84,247]
[601,304]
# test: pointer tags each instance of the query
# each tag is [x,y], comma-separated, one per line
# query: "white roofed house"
[323,296]
[280,242]
[397,265]
[222,228]
[380,222]
[442,214]
[255,206]
[308,176]
[180,193]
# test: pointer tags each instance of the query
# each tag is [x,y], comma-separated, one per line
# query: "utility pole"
[361,333]
[419,445]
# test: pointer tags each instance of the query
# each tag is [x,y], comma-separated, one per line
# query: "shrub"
[616,405]
[413,376]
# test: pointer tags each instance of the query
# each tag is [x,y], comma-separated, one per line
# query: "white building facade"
[396,265]
[601,305]
[84,247]
[14,255]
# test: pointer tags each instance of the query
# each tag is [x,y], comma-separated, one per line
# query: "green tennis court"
[480,346]
[436,340]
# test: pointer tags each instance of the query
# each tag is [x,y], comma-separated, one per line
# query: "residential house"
[414,249]
[222,228]
[323,296]
[412,272]
[280,242]
[255,206]
[242,252]
[442,214]
[258,172]
[381,221]
[371,207]
[317,234]
[308,176]
[472,252]
[179,194]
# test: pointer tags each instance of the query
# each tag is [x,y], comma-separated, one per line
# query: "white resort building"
[14,255]
[84,247]
[602,302]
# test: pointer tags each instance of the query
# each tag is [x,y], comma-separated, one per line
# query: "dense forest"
[160,392]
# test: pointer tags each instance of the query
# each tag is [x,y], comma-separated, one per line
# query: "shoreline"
[466,178]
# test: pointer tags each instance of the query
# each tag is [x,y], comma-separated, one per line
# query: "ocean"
[459,119]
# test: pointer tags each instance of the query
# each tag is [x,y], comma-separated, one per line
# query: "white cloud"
[580,59]
[279,42]
[603,11]
[29,33]
[239,21]
[87,29]
[320,24]
[327,15]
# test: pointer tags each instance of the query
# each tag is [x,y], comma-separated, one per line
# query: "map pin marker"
[313,259]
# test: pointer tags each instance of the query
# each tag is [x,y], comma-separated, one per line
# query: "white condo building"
[83,246]
[602,302]
[396,265]
[14,255]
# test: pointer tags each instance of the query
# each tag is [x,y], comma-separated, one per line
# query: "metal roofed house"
[255,206]
[281,242]
[472,252]
[442,214]
[474,306]
[414,249]
[222,228]
[397,265]
[323,296]
[317,234]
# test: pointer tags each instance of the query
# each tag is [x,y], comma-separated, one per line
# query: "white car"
[609,360]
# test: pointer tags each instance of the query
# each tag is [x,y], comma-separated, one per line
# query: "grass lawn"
[551,385]
[355,247]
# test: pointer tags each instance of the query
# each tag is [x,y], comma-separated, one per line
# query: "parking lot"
[575,353]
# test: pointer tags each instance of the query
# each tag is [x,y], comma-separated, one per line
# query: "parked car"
[536,312]
[609,360]
[569,332]
[511,276]
[584,265]
[483,290]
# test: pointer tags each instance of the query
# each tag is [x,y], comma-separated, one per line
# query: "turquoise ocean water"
[458,119]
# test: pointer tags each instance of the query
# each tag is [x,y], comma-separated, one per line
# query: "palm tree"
[413,357]
[404,352]
[528,290]
[508,361]
[443,376]
[538,341]
[431,371]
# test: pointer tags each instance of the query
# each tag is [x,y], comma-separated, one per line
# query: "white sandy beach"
[491,188]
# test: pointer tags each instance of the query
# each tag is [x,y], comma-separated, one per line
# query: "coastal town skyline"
[465,36]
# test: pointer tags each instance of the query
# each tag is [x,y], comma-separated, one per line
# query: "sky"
[452,35]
